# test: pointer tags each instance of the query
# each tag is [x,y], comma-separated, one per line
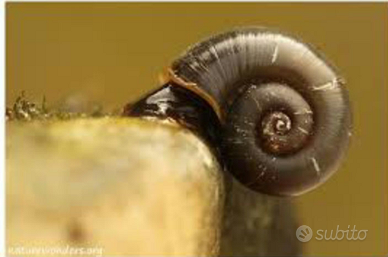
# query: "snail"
[275,110]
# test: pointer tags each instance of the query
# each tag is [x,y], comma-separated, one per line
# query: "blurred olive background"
[113,53]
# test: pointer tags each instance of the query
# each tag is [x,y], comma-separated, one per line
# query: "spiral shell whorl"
[260,81]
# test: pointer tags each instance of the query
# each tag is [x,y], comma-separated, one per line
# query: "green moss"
[24,109]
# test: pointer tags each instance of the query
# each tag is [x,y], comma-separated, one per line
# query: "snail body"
[276,111]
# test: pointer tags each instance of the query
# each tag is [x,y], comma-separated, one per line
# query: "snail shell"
[283,112]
